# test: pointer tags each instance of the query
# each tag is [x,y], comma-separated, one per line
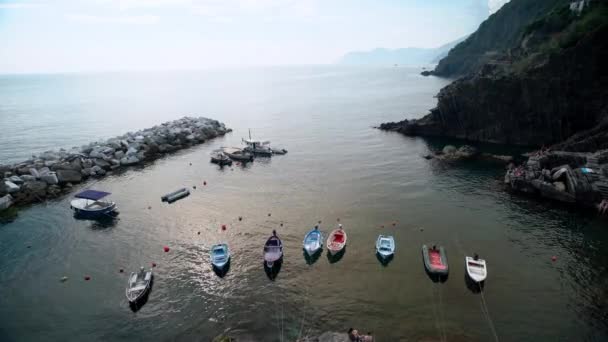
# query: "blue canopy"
[92,194]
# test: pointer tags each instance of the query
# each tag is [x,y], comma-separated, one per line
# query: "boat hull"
[79,206]
[313,242]
[336,241]
[435,261]
[134,297]
[476,269]
[385,246]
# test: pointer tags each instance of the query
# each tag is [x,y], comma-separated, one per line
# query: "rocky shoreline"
[54,173]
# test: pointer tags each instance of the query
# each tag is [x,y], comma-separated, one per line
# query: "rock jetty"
[570,177]
[53,173]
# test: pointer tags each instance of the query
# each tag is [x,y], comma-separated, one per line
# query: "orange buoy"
[166,249]
[223,227]
[87,278]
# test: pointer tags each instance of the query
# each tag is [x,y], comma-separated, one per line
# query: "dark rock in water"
[568,177]
[69,176]
[31,192]
[427,73]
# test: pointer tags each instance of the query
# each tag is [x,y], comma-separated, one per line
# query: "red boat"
[336,241]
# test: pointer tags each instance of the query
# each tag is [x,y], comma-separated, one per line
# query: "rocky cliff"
[550,88]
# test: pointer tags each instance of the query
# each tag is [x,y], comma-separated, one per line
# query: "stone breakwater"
[53,173]
[569,177]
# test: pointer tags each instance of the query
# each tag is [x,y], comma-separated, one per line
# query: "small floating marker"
[194,187]
[394,224]
[153,264]
[223,227]
[204,182]
[199,233]
[338,219]
[281,224]
[166,249]
[382,226]
[554,258]
[121,270]
[149,207]
[87,278]
[190,164]
[63,279]
[268,214]
[29,246]
[421,229]
[319,222]
[231,169]
[240,218]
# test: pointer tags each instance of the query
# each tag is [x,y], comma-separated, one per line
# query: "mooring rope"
[484,305]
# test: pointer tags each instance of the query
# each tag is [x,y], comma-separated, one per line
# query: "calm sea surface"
[338,167]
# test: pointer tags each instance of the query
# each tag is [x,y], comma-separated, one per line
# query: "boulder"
[34,172]
[49,178]
[31,192]
[131,151]
[16,179]
[6,202]
[102,163]
[132,160]
[43,171]
[466,152]
[27,178]
[53,191]
[119,154]
[50,163]
[11,187]
[71,176]
[449,149]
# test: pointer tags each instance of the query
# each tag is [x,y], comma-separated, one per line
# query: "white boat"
[260,148]
[273,250]
[138,285]
[476,268]
[237,154]
[385,246]
[336,241]
[313,241]
[220,255]
[220,158]
[88,203]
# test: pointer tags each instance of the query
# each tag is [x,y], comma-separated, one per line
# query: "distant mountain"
[407,56]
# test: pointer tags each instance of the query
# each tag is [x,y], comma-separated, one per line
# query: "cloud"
[122,19]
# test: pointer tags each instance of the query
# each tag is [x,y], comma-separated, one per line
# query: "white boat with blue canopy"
[89,203]
[313,241]
[220,255]
[385,246]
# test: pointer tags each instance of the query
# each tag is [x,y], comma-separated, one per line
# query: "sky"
[102,35]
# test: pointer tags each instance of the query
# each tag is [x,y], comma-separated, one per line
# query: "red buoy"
[199,233]
[87,278]
[121,270]
[153,264]
[166,249]
[223,227]
[554,258]
[204,182]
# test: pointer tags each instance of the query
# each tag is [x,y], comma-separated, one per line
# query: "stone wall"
[53,173]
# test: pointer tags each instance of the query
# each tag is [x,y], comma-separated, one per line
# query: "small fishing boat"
[435,260]
[336,241]
[238,154]
[220,255]
[220,158]
[385,246]
[138,285]
[88,203]
[273,250]
[313,241]
[259,148]
[175,195]
[476,268]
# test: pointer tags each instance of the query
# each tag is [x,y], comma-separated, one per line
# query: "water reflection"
[221,272]
[384,261]
[311,259]
[273,271]
[471,284]
[336,257]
